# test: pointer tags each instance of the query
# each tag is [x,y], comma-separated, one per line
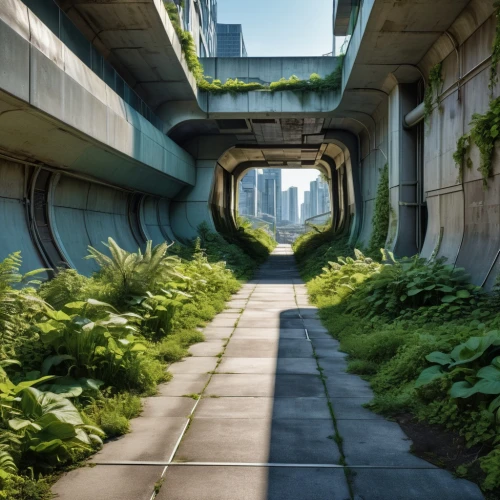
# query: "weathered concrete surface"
[263,429]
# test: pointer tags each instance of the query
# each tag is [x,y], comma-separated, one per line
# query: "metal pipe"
[415,116]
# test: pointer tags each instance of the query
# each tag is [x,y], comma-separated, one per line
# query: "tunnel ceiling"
[256,131]
[139,40]
[271,157]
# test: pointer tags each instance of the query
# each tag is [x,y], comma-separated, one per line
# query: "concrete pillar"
[193,205]
[402,238]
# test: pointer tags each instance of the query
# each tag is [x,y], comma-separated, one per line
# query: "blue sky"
[281,27]
[273,28]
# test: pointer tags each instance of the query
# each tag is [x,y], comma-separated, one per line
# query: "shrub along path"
[263,410]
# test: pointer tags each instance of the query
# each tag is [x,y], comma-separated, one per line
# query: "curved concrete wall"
[88,214]
[15,232]
[52,222]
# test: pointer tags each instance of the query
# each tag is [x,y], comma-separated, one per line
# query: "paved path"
[277,420]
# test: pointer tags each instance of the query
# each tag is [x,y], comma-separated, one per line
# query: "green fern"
[136,273]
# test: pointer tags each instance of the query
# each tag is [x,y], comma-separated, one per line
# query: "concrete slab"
[271,333]
[259,322]
[352,409]
[110,482]
[332,365]
[165,406]
[264,304]
[229,315]
[207,349]
[248,408]
[291,323]
[252,348]
[313,323]
[298,386]
[271,313]
[411,484]
[225,440]
[377,442]
[347,386]
[194,365]
[241,385]
[150,439]
[294,348]
[319,334]
[303,366]
[184,384]
[236,304]
[303,442]
[324,342]
[224,322]
[301,408]
[253,483]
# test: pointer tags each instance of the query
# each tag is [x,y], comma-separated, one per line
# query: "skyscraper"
[307,205]
[248,194]
[314,198]
[270,192]
[293,205]
[230,41]
[284,206]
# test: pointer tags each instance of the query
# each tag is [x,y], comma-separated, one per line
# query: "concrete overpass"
[142,154]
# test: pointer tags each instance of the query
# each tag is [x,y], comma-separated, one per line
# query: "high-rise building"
[323,197]
[293,205]
[284,206]
[314,198]
[269,206]
[200,18]
[307,205]
[302,213]
[320,197]
[248,193]
[270,192]
[230,41]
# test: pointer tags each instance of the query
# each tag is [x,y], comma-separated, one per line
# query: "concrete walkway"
[278,418]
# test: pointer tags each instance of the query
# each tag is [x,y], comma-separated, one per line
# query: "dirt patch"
[445,449]
[440,447]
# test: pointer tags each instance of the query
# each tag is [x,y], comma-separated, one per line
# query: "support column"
[402,239]
[192,206]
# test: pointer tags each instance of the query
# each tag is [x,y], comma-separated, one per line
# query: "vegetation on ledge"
[425,338]
[77,354]
[315,83]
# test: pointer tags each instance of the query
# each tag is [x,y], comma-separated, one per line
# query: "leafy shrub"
[67,286]
[411,283]
[22,487]
[40,429]
[341,279]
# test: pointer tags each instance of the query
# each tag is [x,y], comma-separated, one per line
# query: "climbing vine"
[495,54]
[432,91]
[380,220]
[461,155]
[187,42]
[314,83]
[484,133]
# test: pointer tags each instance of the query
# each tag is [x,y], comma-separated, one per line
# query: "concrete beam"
[54,109]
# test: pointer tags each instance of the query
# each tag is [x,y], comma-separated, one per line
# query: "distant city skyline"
[283,195]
